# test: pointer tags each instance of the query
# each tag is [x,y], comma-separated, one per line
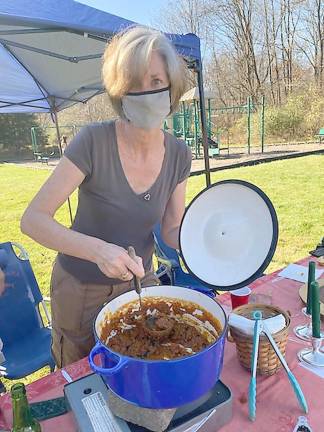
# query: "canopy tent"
[50,56]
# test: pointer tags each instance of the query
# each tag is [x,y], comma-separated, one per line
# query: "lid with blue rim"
[228,234]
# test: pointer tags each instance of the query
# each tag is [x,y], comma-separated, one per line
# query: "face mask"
[148,109]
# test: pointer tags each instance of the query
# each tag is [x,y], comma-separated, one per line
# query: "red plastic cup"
[240,296]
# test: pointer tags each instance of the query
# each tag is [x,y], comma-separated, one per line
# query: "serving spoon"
[157,327]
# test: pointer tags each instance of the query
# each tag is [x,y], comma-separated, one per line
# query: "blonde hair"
[126,59]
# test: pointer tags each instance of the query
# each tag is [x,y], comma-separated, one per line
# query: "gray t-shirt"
[108,208]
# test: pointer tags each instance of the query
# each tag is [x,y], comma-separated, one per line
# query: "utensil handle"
[254,364]
[256,339]
[291,377]
[132,253]
[298,391]
[276,348]
[137,281]
[252,398]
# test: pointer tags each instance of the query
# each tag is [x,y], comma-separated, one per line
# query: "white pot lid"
[229,234]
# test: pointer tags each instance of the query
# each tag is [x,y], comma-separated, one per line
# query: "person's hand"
[115,262]
[2,282]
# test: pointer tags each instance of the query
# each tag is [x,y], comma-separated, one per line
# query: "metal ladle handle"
[137,280]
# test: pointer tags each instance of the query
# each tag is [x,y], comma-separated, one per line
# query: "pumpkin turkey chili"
[162,329]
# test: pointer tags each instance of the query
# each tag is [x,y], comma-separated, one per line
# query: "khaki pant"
[74,308]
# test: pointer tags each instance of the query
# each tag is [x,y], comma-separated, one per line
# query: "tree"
[187,16]
[15,131]
[96,109]
[311,39]
[272,22]
[290,14]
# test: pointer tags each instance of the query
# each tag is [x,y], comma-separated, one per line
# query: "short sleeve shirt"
[108,208]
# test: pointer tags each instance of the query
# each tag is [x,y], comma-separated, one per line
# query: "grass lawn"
[295,187]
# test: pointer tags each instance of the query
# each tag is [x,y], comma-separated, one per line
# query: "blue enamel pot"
[159,383]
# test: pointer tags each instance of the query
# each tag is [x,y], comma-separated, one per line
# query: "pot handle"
[100,349]
[209,292]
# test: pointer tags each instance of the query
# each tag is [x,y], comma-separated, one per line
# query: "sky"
[140,11]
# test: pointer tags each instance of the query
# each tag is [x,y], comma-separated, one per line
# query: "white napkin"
[298,273]
[246,326]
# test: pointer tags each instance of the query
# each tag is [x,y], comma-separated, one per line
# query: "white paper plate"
[229,234]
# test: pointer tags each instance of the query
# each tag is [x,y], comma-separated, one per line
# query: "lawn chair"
[170,270]
[26,340]
[38,155]
[43,157]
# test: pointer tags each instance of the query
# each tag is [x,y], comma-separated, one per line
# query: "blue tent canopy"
[50,56]
[50,53]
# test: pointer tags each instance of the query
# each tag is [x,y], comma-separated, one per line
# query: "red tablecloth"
[277,406]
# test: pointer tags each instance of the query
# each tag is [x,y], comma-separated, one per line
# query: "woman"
[130,174]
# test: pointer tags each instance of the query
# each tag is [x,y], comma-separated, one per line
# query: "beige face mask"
[147,110]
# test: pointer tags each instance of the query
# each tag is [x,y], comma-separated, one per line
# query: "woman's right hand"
[115,262]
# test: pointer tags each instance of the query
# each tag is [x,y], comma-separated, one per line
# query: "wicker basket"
[268,362]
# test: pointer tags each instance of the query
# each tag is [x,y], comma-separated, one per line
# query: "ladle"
[158,326]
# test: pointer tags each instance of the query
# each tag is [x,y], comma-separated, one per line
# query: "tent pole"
[203,120]
[58,135]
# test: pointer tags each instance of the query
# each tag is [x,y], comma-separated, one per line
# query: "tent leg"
[58,135]
[203,120]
